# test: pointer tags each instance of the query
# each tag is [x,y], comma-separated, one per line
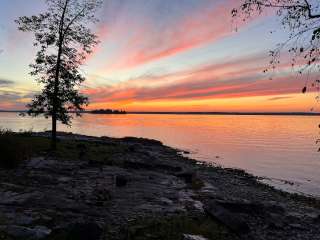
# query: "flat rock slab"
[193,237]
[233,221]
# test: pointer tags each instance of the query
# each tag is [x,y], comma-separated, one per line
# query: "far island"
[107,111]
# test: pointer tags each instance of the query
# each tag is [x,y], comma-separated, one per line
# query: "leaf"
[304,90]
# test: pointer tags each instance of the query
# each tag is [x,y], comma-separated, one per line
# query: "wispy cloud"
[279,98]
[135,40]
[224,80]
[5,82]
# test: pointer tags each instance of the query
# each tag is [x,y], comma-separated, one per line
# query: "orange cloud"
[236,79]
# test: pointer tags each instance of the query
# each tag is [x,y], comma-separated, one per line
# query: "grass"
[18,147]
[4,236]
[173,228]
[160,228]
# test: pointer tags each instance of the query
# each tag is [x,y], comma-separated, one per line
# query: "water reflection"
[278,147]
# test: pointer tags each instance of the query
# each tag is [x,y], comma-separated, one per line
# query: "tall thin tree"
[64,39]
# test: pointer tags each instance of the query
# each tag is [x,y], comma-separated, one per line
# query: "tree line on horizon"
[64,41]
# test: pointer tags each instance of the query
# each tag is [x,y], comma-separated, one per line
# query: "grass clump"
[173,228]
[17,147]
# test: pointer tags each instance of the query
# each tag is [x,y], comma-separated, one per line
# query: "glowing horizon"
[164,56]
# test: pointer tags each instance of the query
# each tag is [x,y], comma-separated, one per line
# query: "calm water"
[280,148]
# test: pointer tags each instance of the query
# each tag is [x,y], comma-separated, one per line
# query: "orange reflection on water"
[278,147]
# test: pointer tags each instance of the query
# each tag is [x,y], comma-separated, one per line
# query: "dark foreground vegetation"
[130,188]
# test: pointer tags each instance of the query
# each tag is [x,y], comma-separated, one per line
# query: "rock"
[137,165]
[166,201]
[168,168]
[233,221]
[315,217]
[274,207]
[297,226]
[16,198]
[19,232]
[275,221]
[38,232]
[100,196]
[143,141]
[84,231]
[24,220]
[187,176]
[242,206]
[41,232]
[198,206]
[193,237]
[64,179]
[121,181]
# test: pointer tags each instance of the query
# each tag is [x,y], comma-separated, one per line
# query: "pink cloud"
[226,80]
[140,41]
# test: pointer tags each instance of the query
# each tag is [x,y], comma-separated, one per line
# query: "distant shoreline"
[205,113]
[232,113]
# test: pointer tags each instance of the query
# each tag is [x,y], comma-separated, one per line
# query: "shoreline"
[185,153]
[196,113]
[97,178]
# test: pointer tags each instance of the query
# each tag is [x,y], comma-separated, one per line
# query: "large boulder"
[233,221]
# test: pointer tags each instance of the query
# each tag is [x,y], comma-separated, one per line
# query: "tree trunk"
[56,80]
[54,132]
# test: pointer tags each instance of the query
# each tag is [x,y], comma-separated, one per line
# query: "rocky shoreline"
[131,188]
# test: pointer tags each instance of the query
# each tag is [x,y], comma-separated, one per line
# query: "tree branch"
[73,20]
[310,12]
[307,7]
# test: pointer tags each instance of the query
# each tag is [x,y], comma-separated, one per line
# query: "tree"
[302,19]
[64,40]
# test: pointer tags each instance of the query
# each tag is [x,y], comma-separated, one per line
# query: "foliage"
[174,227]
[21,146]
[302,19]
[64,40]
[18,147]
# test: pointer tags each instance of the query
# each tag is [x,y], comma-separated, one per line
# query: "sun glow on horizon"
[164,57]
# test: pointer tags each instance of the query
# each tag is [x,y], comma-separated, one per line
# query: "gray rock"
[121,181]
[233,221]
[64,179]
[297,226]
[24,220]
[84,231]
[193,237]
[41,232]
[19,232]
[187,176]
[38,232]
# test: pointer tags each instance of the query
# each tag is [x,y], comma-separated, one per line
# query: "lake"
[282,149]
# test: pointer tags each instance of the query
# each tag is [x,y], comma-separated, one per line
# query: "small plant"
[13,150]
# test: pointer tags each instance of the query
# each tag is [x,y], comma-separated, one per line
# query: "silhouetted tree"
[64,40]
[302,19]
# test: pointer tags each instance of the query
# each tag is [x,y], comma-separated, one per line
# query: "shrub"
[13,149]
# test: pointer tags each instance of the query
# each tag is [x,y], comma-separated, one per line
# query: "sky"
[159,55]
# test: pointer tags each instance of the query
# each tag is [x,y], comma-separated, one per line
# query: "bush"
[13,149]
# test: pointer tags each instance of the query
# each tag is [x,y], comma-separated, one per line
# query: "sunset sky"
[159,55]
